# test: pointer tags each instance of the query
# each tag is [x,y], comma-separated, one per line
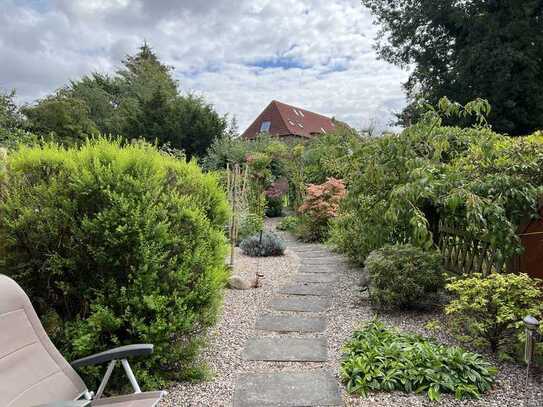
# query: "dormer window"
[265,127]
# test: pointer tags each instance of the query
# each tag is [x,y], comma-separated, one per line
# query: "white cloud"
[239,55]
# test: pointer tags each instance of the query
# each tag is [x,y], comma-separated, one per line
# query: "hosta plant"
[381,359]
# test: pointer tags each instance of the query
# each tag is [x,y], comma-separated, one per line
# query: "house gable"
[287,120]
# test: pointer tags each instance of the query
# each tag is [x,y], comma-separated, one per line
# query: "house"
[280,119]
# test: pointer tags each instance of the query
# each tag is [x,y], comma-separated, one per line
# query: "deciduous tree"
[465,49]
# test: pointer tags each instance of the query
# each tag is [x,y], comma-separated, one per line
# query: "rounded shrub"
[404,276]
[488,310]
[116,245]
[268,245]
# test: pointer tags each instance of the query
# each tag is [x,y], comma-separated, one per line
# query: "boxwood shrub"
[116,245]
[404,276]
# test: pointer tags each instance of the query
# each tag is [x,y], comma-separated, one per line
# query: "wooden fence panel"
[463,254]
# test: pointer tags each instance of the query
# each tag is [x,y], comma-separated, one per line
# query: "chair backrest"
[32,370]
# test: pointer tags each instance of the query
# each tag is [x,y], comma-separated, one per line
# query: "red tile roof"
[287,120]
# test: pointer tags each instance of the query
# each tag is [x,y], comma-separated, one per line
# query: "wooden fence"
[464,254]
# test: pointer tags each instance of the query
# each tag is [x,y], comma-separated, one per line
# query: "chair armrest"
[121,352]
[67,403]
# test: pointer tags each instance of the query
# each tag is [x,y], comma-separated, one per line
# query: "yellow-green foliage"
[116,245]
[489,310]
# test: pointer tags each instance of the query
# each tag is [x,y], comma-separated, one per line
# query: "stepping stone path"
[287,323]
[305,289]
[287,389]
[315,278]
[286,349]
[300,304]
[299,336]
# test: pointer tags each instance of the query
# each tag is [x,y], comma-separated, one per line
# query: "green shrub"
[274,207]
[249,224]
[404,276]
[406,185]
[116,245]
[274,195]
[330,155]
[379,359]
[269,245]
[489,310]
[288,223]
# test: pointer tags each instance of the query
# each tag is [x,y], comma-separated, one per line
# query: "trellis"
[236,186]
[464,254]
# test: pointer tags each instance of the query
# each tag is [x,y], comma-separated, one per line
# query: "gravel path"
[349,308]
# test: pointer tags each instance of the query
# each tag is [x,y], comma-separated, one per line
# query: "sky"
[238,54]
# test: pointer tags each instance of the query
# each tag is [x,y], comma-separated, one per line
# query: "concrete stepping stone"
[286,349]
[300,303]
[290,323]
[315,278]
[305,289]
[326,268]
[305,247]
[288,389]
[325,261]
[319,255]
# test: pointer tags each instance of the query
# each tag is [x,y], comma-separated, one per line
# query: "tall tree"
[464,49]
[9,112]
[62,116]
[141,101]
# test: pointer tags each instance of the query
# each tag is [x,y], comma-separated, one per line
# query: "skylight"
[265,127]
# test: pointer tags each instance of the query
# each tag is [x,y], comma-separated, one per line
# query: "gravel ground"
[349,308]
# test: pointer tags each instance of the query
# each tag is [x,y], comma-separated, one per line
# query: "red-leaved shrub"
[320,205]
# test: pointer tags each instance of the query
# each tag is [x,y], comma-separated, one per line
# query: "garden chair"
[34,373]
